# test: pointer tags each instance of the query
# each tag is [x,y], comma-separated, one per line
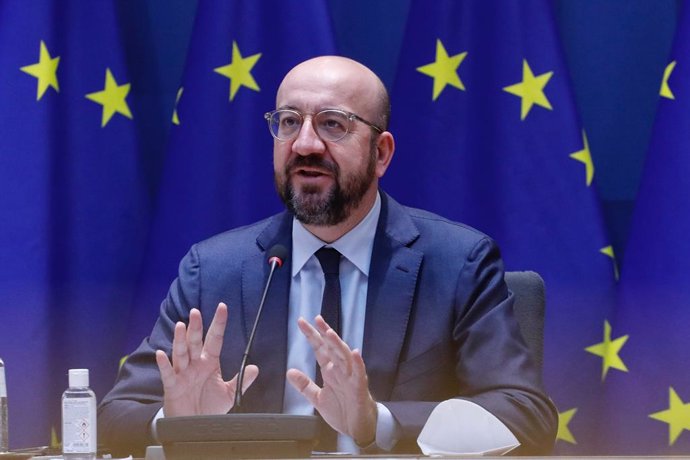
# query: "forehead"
[315,86]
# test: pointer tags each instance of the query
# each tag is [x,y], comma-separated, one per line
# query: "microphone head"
[278,253]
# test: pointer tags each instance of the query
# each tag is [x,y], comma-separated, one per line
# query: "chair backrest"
[530,304]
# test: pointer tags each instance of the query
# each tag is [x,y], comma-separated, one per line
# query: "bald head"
[338,82]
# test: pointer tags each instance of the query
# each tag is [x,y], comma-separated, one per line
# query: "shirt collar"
[356,245]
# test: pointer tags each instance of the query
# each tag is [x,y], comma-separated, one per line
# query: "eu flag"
[487,133]
[218,172]
[74,199]
[649,410]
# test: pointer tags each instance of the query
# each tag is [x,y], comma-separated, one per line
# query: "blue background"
[616,51]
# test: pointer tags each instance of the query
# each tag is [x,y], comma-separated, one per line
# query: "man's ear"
[385,147]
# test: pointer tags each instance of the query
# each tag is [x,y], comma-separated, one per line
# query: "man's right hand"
[193,384]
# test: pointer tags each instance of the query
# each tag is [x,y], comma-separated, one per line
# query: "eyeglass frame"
[349,115]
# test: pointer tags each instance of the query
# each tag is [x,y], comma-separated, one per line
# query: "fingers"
[194,334]
[332,338]
[180,352]
[188,343]
[165,368]
[339,351]
[216,331]
[316,341]
[332,353]
[359,371]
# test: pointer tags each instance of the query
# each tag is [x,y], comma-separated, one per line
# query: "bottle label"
[79,425]
[3,387]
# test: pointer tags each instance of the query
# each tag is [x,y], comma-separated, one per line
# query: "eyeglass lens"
[330,125]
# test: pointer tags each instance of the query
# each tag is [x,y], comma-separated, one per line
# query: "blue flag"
[74,200]
[219,166]
[487,134]
[649,409]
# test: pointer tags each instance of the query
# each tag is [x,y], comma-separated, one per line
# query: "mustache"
[311,161]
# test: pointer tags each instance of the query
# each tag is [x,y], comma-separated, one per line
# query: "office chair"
[530,304]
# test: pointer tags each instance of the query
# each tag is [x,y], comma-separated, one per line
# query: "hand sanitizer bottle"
[79,418]
[4,441]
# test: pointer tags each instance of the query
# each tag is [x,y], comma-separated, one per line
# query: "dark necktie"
[329,259]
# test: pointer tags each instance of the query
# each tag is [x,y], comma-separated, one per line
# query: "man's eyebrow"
[291,107]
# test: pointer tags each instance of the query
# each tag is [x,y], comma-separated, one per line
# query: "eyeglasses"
[331,124]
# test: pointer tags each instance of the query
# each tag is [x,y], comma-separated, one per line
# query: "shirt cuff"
[154,432]
[387,431]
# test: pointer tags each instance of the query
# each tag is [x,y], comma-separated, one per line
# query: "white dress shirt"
[306,292]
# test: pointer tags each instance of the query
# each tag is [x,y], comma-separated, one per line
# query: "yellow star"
[239,71]
[112,98]
[54,440]
[531,90]
[45,71]
[175,118]
[608,251]
[677,416]
[665,90]
[585,157]
[444,70]
[608,350]
[564,419]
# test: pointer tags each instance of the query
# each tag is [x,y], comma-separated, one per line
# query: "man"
[423,298]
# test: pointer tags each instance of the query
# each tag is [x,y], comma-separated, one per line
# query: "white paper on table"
[460,427]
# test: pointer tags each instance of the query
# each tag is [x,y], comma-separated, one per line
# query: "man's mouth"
[310,173]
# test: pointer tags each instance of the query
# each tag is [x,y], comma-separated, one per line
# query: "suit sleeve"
[493,366]
[126,412]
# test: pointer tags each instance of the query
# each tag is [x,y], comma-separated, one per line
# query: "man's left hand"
[344,402]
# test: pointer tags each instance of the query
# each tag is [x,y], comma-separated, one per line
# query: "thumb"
[251,372]
[304,385]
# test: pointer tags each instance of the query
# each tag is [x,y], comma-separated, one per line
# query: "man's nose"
[307,140]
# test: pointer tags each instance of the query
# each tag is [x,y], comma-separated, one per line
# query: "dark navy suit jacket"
[439,324]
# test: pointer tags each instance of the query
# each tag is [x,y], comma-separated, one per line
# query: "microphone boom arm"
[276,262]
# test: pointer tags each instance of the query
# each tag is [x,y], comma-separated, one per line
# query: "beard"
[313,206]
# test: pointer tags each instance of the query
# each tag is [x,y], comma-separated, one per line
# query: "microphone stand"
[236,434]
[237,406]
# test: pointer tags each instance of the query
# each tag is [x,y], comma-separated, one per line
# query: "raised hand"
[193,384]
[344,402]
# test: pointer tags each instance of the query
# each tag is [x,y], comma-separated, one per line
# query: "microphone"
[241,435]
[276,257]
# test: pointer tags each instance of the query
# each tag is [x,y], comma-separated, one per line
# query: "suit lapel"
[392,283]
[269,351]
